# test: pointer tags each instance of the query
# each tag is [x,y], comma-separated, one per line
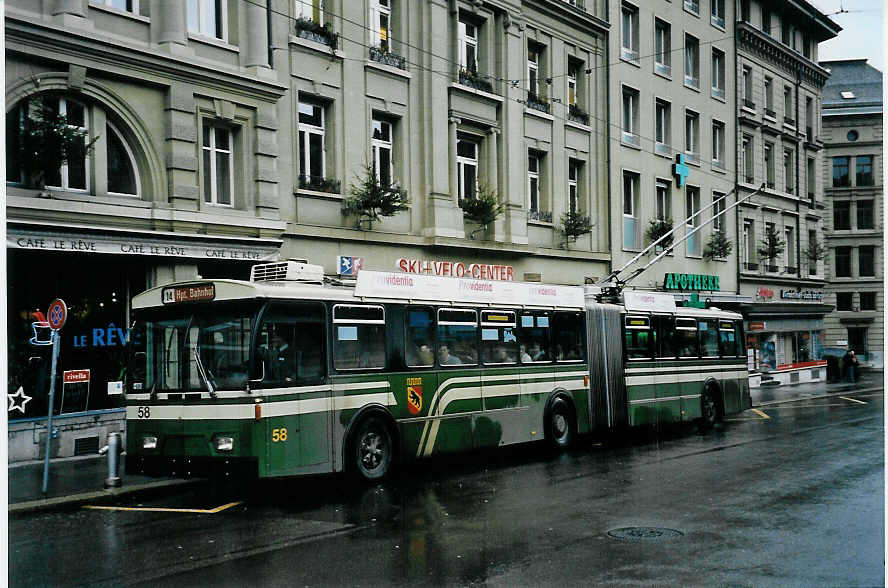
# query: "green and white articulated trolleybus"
[289,374]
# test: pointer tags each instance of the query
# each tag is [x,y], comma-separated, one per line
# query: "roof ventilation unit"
[287,271]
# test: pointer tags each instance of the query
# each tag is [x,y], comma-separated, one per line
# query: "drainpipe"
[736,151]
[268,12]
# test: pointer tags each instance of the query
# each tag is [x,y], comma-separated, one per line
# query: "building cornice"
[570,15]
[768,48]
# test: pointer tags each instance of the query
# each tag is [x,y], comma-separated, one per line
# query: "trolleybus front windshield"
[195,348]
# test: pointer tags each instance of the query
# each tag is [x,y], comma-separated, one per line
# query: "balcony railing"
[475,80]
[538,102]
[692,157]
[577,114]
[320,184]
[631,139]
[752,267]
[542,216]
[386,57]
[790,269]
[692,6]
[662,69]
[772,268]
[718,92]
[306,28]
[718,164]
[718,21]
[629,53]
[662,148]
[692,81]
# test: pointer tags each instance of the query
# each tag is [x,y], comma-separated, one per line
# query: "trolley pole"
[52,381]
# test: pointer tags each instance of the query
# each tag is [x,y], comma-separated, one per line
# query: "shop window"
[857,337]
[218,164]
[568,339]
[420,337]
[708,331]
[535,337]
[208,18]
[499,343]
[844,300]
[457,337]
[358,337]
[290,348]
[867,301]
[843,262]
[638,337]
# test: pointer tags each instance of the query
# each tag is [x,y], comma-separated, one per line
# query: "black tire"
[560,425]
[708,409]
[372,448]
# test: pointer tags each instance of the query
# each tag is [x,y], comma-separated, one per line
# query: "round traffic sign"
[57,314]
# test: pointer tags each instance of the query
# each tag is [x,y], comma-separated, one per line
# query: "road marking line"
[806,406]
[761,414]
[770,402]
[852,400]
[160,509]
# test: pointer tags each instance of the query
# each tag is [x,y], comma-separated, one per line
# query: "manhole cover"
[644,533]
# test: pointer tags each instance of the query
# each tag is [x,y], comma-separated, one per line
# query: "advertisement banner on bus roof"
[421,287]
[648,301]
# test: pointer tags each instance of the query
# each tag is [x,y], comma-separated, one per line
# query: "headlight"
[224,443]
[149,442]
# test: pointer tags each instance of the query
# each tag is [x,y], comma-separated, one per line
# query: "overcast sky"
[861,34]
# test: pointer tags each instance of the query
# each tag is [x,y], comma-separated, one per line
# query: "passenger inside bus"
[445,358]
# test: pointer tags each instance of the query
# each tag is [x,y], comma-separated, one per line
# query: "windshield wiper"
[207,378]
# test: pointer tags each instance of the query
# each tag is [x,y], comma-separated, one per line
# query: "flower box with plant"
[577,114]
[538,102]
[718,247]
[307,28]
[320,184]
[573,226]
[470,77]
[658,227]
[371,201]
[483,209]
[381,54]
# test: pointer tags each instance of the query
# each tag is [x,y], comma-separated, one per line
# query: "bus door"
[711,366]
[667,377]
[536,354]
[291,367]
[504,419]
[420,383]
[647,389]
[687,346]
[457,398]
[733,364]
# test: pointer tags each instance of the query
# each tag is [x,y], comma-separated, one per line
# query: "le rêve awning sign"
[690,282]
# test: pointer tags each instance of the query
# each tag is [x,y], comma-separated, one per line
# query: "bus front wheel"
[708,409]
[372,448]
[560,429]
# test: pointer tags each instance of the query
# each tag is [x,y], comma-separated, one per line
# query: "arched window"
[107,168]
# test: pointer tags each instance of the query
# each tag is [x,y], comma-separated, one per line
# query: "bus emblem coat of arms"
[414,398]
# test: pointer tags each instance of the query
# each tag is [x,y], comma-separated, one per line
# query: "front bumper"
[192,467]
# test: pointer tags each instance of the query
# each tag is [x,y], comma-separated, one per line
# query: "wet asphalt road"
[796,499]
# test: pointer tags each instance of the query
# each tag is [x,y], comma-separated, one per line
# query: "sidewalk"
[73,481]
[80,480]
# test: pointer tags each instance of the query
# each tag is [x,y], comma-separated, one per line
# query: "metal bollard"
[113,479]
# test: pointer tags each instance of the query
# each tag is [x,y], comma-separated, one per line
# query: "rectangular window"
[746,81]
[533,182]
[789,170]
[420,337]
[630,204]
[664,201]
[686,337]
[788,112]
[708,332]
[662,47]
[785,30]
[865,218]
[692,207]
[811,175]
[630,117]
[769,98]
[770,168]
[692,136]
[381,146]
[692,62]
[867,301]
[811,253]
[718,144]
[291,346]
[72,174]
[843,262]
[499,341]
[639,341]
[766,21]
[844,300]
[864,170]
[662,126]
[718,207]
[457,337]
[866,255]
[747,158]
[535,336]
[841,215]
[810,123]
[718,73]
[574,169]
[358,337]
[309,10]
[208,18]
[573,72]
[125,5]
[841,176]
[692,6]
[380,21]
[312,148]
[629,32]
[789,250]
[533,69]
[218,165]
[744,10]
[718,13]
[567,332]
[748,250]
[468,45]
[467,168]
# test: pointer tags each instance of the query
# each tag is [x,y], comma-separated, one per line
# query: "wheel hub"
[371,450]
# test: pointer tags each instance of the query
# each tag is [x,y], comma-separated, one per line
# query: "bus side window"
[358,337]
[738,334]
[291,345]
[457,337]
[686,337]
[499,343]
[638,337]
[420,337]
[708,329]
[664,335]
[727,339]
[568,335]
[534,338]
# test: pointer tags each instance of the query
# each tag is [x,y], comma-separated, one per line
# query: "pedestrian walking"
[851,365]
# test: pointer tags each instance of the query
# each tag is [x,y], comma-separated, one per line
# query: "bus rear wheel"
[560,428]
[371,449]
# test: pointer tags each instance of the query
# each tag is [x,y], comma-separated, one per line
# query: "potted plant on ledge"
[483,209]
[371,201]
[718,247]
[573,226]
[656,229]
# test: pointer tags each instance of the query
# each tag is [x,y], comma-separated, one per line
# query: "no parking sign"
[57,314]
